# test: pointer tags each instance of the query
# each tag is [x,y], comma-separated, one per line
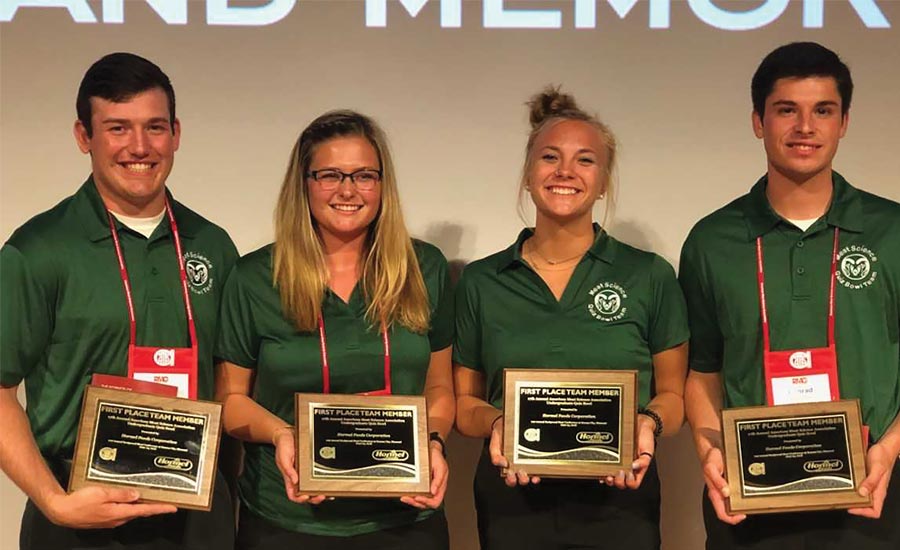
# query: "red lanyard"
[326,371]
[183,274]
[760,276]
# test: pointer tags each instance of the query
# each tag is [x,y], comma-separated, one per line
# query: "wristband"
[650,413]
[435,436]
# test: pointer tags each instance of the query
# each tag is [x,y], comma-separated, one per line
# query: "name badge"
[810,388]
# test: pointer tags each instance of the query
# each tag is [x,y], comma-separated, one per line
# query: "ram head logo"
[607,301]
[855,267]
[197,272]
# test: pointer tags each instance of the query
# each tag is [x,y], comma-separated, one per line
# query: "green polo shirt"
[63,308]
[718,274]
[254,334]
[621,306]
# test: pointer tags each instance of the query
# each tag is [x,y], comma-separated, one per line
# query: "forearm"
[441,409]
[670,408]
[891,438]
[245,419]
[20,458]
[703,405]
[474,416]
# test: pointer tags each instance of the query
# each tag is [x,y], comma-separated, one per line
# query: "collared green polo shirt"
[63,308]
[254,334]
[718,275]
[621,306]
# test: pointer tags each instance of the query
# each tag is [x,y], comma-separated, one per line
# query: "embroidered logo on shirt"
[199,272]
[856,267]
[608,302]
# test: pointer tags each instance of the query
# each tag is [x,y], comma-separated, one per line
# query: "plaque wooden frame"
[738,502]
[84,443]
[309,484]
[625,379]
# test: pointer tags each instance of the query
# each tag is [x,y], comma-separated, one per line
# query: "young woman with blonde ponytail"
[343,301]
[568,295]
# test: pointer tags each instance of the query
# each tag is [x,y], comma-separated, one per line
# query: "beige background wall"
[452,103]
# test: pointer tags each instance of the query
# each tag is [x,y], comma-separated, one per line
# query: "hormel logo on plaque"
[390,455]
[594,437]
[818,466]
[173,463]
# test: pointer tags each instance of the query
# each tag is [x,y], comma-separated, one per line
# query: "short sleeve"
[669,323]
[238,340]
[467,338]
[440,332]
[26,315]
[706,336]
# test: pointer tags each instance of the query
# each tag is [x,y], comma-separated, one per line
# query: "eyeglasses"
[330,179]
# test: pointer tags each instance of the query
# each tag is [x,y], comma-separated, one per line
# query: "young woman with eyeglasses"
[343,301]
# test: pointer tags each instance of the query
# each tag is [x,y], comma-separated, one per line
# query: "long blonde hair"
[391,280]
[550,107]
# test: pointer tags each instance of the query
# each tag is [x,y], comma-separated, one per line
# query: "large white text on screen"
[495,14]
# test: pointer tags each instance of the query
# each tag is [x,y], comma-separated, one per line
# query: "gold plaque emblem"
[757,468]
[108,453]
[327,452]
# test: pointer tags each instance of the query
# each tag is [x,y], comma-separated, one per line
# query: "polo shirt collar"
[603,248]
[845,211]
[91,211]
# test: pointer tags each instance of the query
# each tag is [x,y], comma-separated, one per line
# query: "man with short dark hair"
[68,312]
[757,275]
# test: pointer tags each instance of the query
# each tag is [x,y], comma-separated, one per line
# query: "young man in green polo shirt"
[805,226]
[65,314]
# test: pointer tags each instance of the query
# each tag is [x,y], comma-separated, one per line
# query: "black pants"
[830,530]
[256,533]
[565,514]
[183,530]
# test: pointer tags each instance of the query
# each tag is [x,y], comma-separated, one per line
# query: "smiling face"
[568,172]
[132,151]
[346,212]
[801,127]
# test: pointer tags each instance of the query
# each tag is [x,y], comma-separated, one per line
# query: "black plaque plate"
[147,447]
[363,442]
[569,423]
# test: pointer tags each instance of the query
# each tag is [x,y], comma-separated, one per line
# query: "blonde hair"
[391,280]
[550,107]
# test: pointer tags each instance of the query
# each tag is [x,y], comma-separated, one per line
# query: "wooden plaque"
[164,447]
[792,458]
[572,423]
[362,445]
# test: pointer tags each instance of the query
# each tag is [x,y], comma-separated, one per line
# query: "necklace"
[533,250]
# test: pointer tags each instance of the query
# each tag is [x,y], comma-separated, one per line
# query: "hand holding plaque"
[794,457]
[569,423]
